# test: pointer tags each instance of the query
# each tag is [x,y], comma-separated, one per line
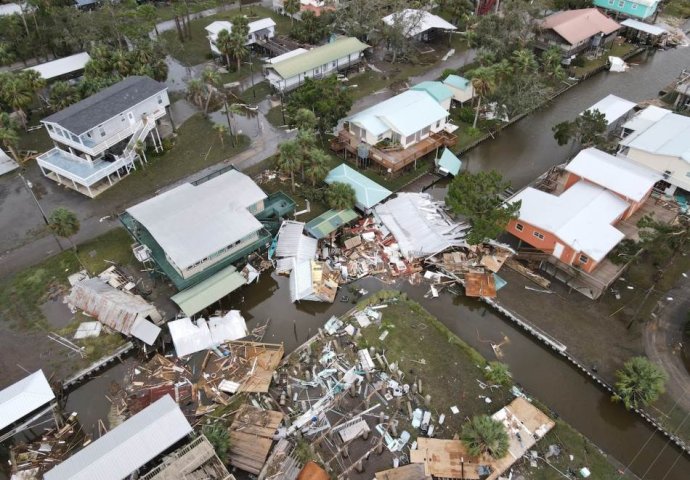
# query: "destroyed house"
[97,139]
[196,230]
[127,448]
[577,225]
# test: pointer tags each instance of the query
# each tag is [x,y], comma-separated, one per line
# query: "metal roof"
[128,447]
[643,27]
[106,104]
[292,243]
[191,222]
[418,21]
[668,135]
[612,107]
[10,9]
[7,164]
[457,81]
[62,66]
[341,47]
[190,337]
[406,113]
[329,221]
[574,26]
[23,397]
[196,298]
[436,89]
[449,162]
[367,191]
[617,174]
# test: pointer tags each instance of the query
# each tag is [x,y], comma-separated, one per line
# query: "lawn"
[256,93]
[167,12]
[196,147]
[617,50]
[196,50]
[275,116]
[676,8]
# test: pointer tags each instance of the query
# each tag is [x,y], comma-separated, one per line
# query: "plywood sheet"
[480,285]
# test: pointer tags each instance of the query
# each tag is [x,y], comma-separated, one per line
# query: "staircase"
[143,128]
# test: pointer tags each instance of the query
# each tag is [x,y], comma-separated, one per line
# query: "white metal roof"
[613,107]
[7,164]
[418,21]
[10,9]
[215,27]
[189,337]
[614,173]
[62,66]
[643,120]
[301,286]
[643,27]
[192,222]
[230,327]
[293,243]
[419,224]
[23,397]
[406,114]
[127,447]
[285,56]
[665,134]
[581,216]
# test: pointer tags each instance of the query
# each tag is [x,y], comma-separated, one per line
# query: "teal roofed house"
[438,91]
[328,222]
[368,192]
[640,9]
[460,87]
[448,164]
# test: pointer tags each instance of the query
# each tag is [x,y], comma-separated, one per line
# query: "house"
[398,131]
[368,193]
[329,221]
[127,448]
[574,31]
[318,6]
[259,31]
[318,62]
[462,88]
[96,139]
[577,227]
[644,33]
[640,9]
[419,24]
[616,110]
[67,67]
[438,91]
[24,402]
[659,139]
[201,228]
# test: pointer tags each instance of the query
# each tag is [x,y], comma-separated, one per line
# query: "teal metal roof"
[367,191]
[457,81]
[209,291]
[329,222]
[449,163]
[436,89]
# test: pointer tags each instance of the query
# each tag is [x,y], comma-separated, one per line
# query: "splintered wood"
[445,458]
[480,285]
[251,437]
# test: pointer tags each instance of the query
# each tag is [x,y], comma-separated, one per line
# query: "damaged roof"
[329,221]
[23,397]
[292,243]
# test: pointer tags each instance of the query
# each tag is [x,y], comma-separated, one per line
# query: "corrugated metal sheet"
[329,221]
[23,397]
[112,307]
[293,244]
[129,446]
[318,56]
[196,298]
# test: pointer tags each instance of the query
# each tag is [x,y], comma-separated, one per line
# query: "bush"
[167,144]
[578,61]
[313,194]
[473,132]
[448,71]
[497,373]
[466,115]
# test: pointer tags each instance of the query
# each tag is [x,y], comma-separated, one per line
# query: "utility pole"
[29,187]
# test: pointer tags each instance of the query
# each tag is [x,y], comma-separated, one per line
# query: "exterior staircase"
[143,128]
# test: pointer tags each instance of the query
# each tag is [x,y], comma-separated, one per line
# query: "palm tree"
[6,56]
[62,95]
[9,138]
[484,435]
[317,166]
[222,130]
[289,159]
[230,110]
[121,63]
[238,49]
[640,382]
[140,148]
[483,84]
[291,7]
[340,196]
[149,14]
[64,223]
[211,79]
[195,91]
[224,45]
[16,93]
[524,61]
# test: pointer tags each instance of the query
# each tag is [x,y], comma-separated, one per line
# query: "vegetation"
[587,130]
[311,28]
[217,434]
[477,197]
[640,382]
[485,436]
[64,223]
[326,98]
[498,373]
[340,196]
[9,138]
[661,240]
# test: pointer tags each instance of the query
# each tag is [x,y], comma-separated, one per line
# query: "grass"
[677,8]
[256,93]
[167,12]
[196,50]
[197,146]
[275,116]
[617,50]
[37,140]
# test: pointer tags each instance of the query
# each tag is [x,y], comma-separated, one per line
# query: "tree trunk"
[180,35]
[238,63]
[292,180]
[227,60]
[222,142]
[476,114]
[208,100]
[230,126]
[155,29]
[13,152]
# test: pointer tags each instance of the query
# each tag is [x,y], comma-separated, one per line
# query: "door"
[130,117]
[558,250]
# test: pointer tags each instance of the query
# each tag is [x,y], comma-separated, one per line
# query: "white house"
[96,139]
[616,110]
[660,139]
[418,24]
[403,120]
[318,62]
[462,88]
[259,30]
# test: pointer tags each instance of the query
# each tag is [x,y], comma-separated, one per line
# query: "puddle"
[57,313]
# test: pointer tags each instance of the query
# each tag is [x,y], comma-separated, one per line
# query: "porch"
[397,158]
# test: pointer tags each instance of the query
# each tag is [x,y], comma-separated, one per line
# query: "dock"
[97,365]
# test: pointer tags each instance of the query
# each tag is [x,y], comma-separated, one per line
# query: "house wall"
[405,141]
[215,257]
[679,168]
[461,96]
[627,8]
[285,84]
[548,38]
[569,256]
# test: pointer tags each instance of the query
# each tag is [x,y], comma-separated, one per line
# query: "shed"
[615,109]
[129,446]
[653,30]
[251,437]
[62,66]
[196,298]
[329,221]
[24,397]
[367,192]
[461,87]
[449,163]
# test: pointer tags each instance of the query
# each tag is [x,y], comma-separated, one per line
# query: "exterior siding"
[627,8]
[680,169]
[285,84]
[405,142]
[214,258]
[461,96]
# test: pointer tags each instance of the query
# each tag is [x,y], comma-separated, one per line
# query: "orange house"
[578,226]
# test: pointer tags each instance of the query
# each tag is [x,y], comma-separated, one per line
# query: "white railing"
[108,169]
[147,124]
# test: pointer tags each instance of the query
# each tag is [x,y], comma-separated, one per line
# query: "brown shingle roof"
[578,25]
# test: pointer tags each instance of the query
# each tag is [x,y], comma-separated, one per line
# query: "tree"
[195,91]
[477,197]
[218,436]
[640,382]
[483,83]
[224,45]
[662,240]
[305,119]
[291,7]
[326,98]
[498,373]
[588,129]
[551,62]
[238,49]
[311,29]
[17,94]
[148,14]
[505,32]
[484,435]
[9,138]
[524,61]
[62,95]
[458,9]
[316,169]
[221,130]
[210,78]
[340,196]
[289,159]
[64,223]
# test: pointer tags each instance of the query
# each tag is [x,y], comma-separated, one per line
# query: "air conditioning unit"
[667,174]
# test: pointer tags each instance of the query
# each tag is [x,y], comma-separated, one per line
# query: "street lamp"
[29,187]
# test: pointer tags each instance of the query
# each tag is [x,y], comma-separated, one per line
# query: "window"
[584,259]
[101,130]
[621,4]
[333,64]
[539,235]
[610,2]
[438,124]
[687,174]
[634,6]
[160,99]
[519,227]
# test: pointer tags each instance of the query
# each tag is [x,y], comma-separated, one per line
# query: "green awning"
[329,221]
[196,298]
[449,163]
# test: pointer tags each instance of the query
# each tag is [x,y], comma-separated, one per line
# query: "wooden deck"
[395,159]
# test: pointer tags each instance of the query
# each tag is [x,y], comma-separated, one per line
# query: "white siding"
[680,169]
[324,70]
